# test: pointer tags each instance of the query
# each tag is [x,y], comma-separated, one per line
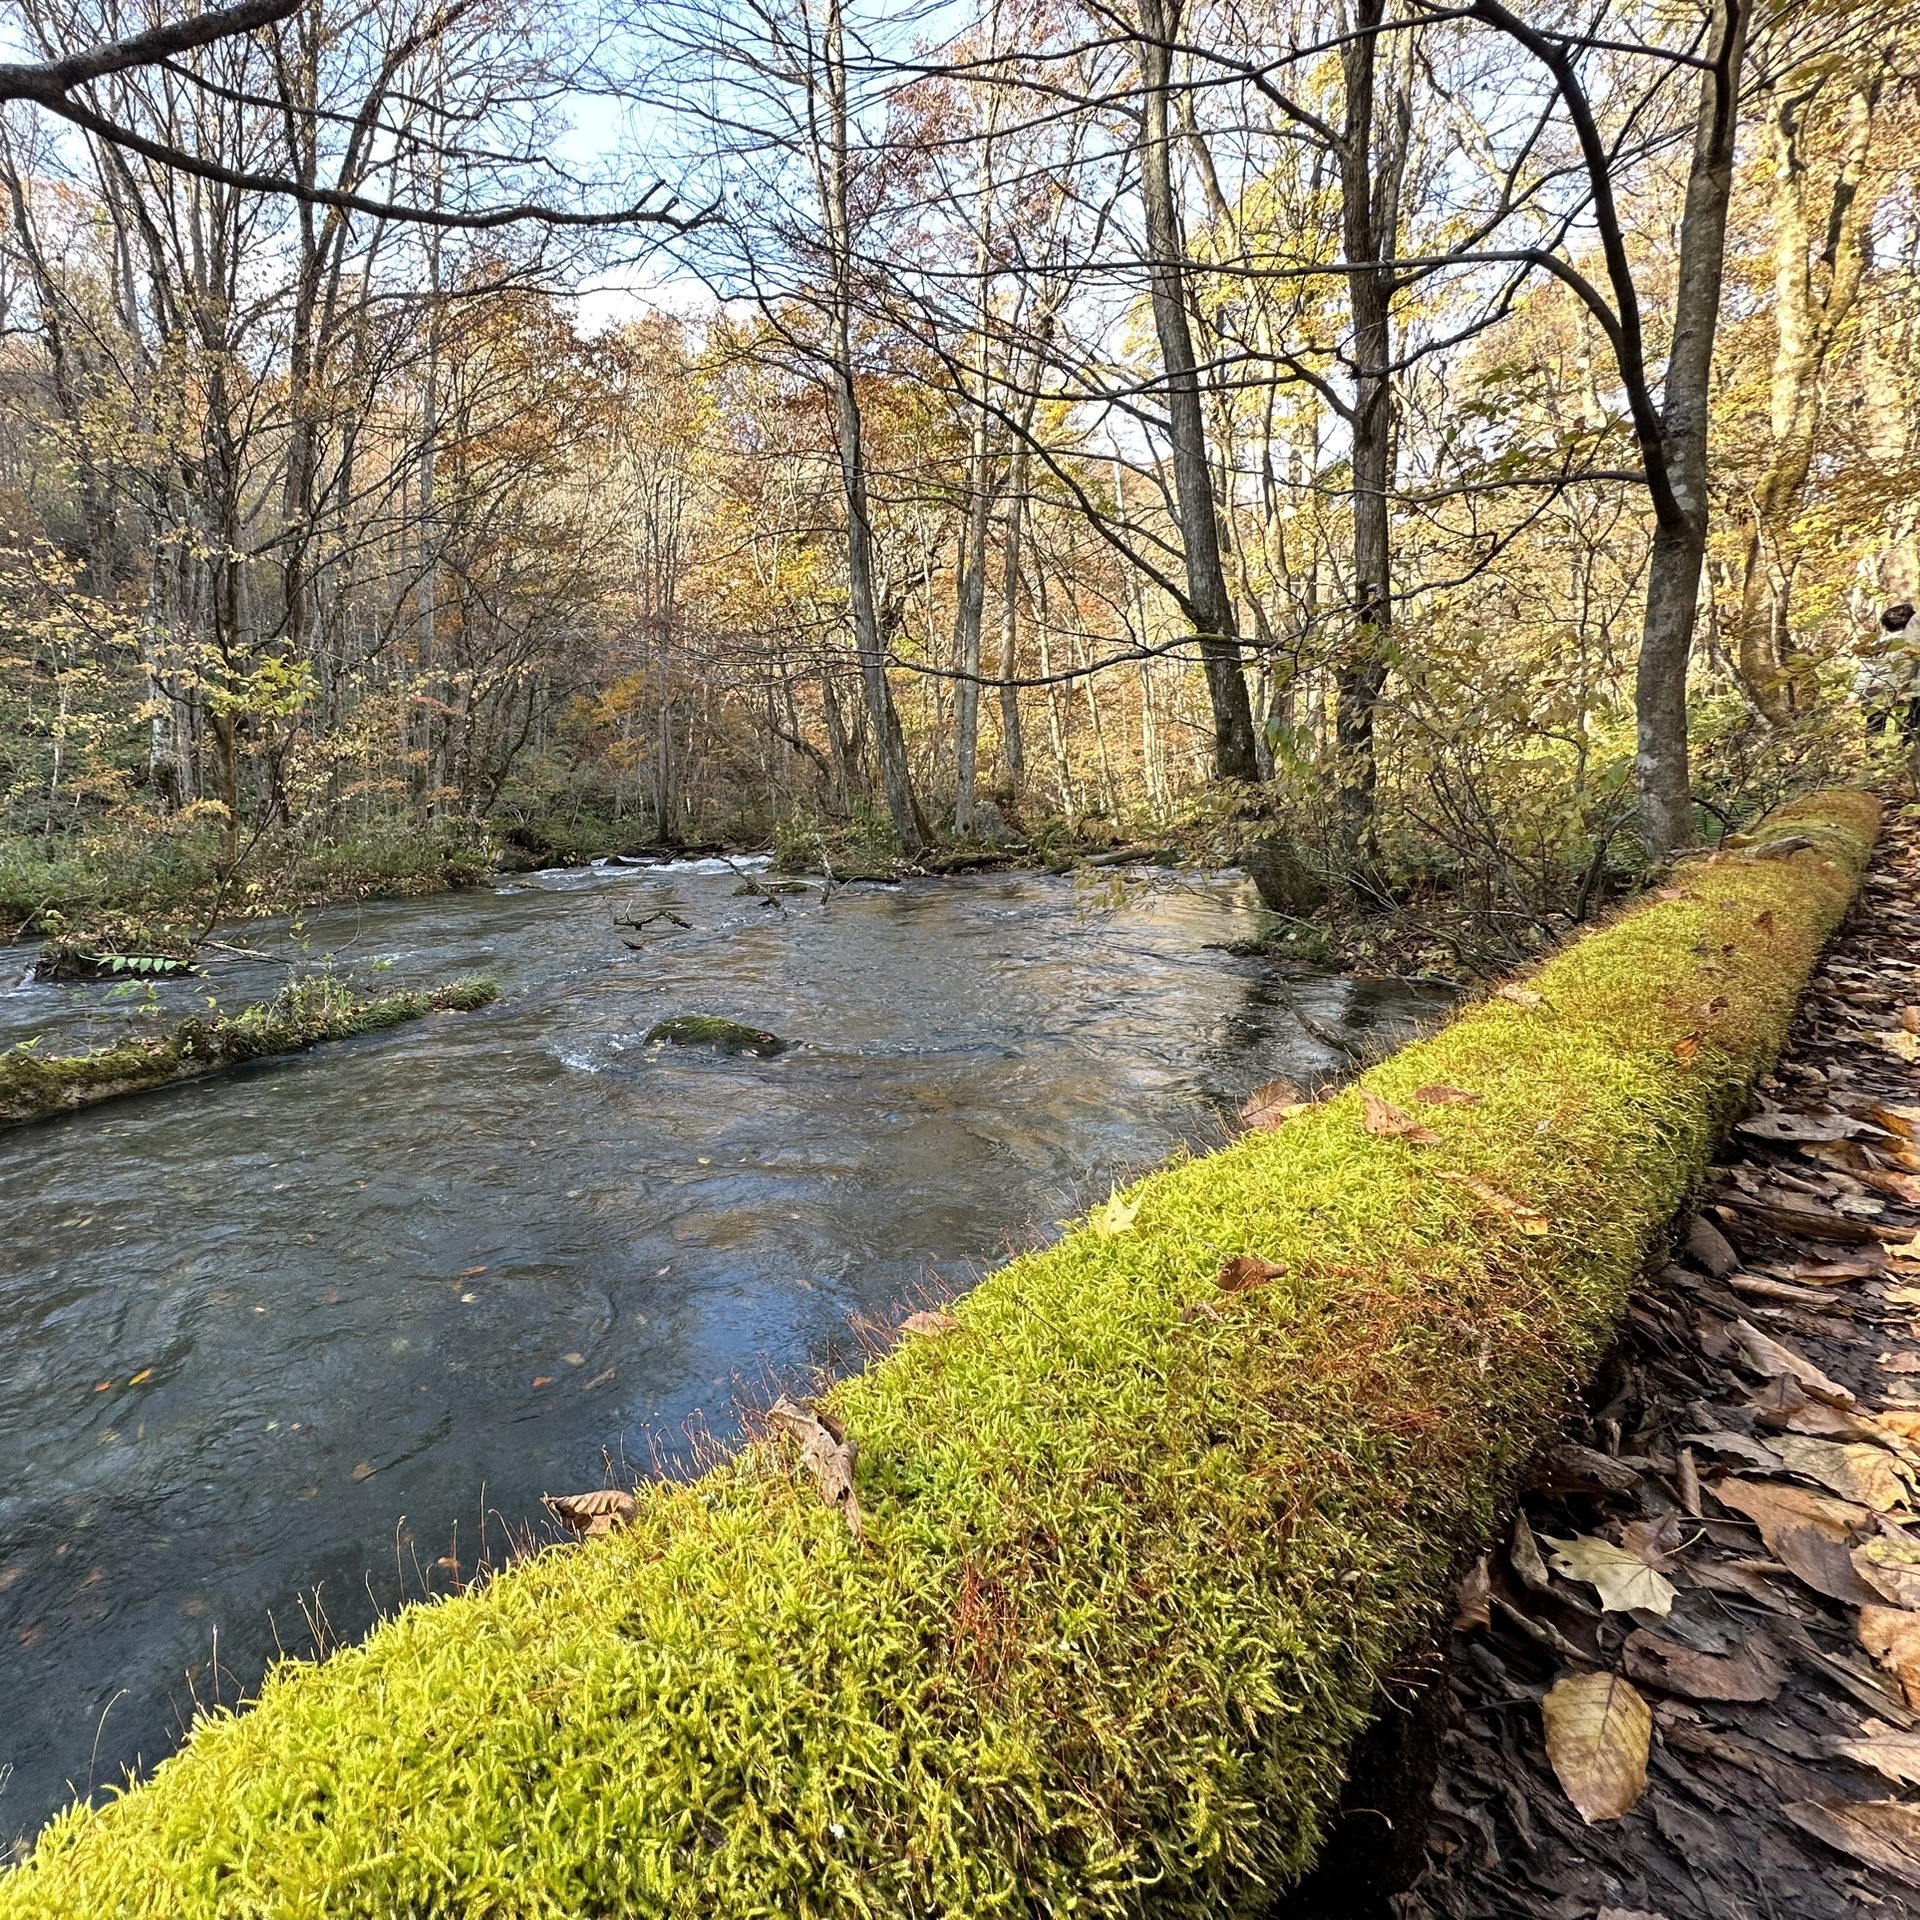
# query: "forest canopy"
[1435,453]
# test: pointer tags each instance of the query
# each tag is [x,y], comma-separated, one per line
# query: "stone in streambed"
[724,1036]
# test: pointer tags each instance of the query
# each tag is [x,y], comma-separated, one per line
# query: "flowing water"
[275,1344]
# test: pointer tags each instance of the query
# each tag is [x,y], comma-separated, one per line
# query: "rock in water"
[724,1036]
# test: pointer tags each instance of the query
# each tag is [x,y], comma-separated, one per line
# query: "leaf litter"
[1744,1447]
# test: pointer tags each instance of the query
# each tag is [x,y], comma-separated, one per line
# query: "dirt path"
[1756,1441]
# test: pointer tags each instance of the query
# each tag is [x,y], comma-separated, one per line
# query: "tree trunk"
[1814,292]
[1012,746]
[1210,605]
[896,778]
[1371,173]
[1680,541]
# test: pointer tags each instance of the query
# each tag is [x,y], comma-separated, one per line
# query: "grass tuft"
[1138,1549]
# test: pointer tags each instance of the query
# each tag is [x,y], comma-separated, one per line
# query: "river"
[283,1345]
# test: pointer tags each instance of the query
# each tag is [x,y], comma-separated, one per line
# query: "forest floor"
[1752,1441]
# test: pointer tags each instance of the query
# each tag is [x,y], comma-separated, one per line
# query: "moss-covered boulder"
[723,1036]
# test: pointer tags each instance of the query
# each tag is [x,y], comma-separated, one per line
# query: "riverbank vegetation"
[1210,430]
[306,1012]
[1133,1533]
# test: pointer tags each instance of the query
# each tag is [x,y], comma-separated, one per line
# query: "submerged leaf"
[1598,1732]
[1624,1582]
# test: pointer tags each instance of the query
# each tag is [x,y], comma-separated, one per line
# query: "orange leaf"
[1245,1271]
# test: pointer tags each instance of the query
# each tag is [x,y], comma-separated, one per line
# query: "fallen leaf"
[1623,1580]
[1812,1127]
[1527,1219]
[467,1273]
[1767,1356]
[589,1515]
[1808,1533]
[929,1323]
[1902,1044]
[1886,1750]
[1890,1565]
[1273,1105]
[542,1380]
[1749,1674]
[1903,1296]
[1389,1122]
[827,1452]
[1906,1424]
[1523,1554]
[1879,1833]
[1656,1542]
[1245,1271]
[1868,1475]
[1439,1095]
[1901,1360]
[364,1471]
[141,1378]
[1736,1446]
[1113,1216]
[1521,996]
[1687,1049]
[1472,1598]
[1892,1636]
[1598,1732]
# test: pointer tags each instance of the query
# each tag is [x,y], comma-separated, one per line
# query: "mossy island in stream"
[724,1036]
[303,1014]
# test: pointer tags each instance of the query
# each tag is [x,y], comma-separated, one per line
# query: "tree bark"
[1680,540]
[1210,605]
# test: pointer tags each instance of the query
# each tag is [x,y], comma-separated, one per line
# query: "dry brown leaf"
[1867,1474]
[1472,1599]
[1890,1565]
[1388,1122]
[1892,1636]
[1624,1582]
[1598,1732]
[1904,1422]
[1901,1360]
[1521,996]
[1245,1271]
[1808,1533]
[1880,1833]
[1523,1554]
[1910,1019]
[1766,1356]
[929,1323]
[1656,1542]
[1749,1674]
[364,1471]
[1885,1749]
[827,1452]
[1439,1095]
[1273,1105]
[589,1515]
[1527,1219]
[1687,1049]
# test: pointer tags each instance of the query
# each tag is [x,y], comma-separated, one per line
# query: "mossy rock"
[724,1036]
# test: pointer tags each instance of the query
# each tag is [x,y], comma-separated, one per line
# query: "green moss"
[1137,1552]
[706,1030]
[305,1013]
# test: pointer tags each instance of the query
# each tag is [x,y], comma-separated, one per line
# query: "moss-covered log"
[1142,1529]
[34,1086]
